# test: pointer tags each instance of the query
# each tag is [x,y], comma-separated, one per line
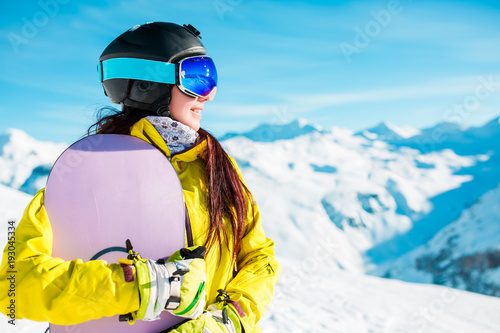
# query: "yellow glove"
[218,319]
[176,285]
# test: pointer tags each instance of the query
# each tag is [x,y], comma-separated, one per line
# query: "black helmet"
[159,41]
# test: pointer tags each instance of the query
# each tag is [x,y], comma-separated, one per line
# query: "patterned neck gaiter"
[177,136]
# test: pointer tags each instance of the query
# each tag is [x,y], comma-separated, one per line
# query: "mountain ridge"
[378,197]
[269,132]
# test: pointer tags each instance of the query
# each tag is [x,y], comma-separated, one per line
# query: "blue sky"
[351,64]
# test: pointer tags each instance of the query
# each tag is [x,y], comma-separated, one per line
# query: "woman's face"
[186,109]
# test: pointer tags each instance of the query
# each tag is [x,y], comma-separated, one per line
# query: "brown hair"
[226,193]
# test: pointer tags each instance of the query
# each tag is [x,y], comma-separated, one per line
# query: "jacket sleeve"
[50,289]
[257,272]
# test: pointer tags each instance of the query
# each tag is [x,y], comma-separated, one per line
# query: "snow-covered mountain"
[465,254]
[277,131]
[446,135]
[415,205]
[25,162]
[12,205]
[389,132]
[387,191]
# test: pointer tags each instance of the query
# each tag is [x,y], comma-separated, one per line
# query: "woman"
[160,74]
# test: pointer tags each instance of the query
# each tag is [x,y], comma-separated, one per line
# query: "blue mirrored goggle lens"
[198,75]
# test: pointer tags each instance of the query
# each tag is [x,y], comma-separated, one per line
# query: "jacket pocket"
[255,271]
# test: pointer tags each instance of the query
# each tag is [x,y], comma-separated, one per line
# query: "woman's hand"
[176,285]
[218,319]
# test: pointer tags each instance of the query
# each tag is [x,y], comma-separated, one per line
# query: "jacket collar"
[144,130]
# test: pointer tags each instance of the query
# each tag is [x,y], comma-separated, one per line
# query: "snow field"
[331,300]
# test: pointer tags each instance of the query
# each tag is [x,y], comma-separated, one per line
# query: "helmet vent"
[192,30]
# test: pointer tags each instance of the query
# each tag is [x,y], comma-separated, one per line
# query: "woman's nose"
[203,98]
[209,97]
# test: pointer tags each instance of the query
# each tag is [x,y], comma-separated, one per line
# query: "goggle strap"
[137,69]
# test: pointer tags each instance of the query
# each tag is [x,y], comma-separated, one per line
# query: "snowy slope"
[24,161]
[465,254]
[361,192]
[483,143]
[318,299]
[12,204]
[376,199]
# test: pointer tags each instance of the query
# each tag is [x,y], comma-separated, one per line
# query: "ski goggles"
[194,76]
[197,76]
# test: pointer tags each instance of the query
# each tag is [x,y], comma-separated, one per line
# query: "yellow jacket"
[70,292]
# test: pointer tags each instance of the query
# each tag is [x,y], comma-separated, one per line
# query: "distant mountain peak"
[13,135]
[491,129]
[389,132]
[21,154]
[270,132]
[16,132]
[446,126]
